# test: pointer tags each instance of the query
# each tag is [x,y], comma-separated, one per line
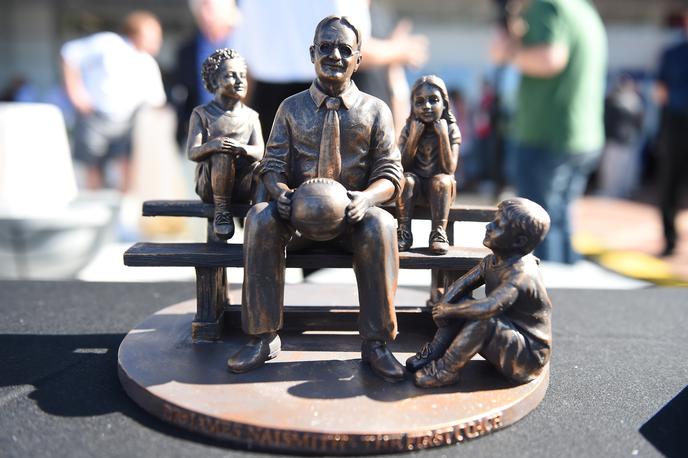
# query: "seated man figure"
[332,130]
[511,326]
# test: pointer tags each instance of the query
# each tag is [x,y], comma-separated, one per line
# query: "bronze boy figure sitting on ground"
[429,145]
[511,326]
[225,139]
[330,131]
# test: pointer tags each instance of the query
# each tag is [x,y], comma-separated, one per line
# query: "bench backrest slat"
[198,209]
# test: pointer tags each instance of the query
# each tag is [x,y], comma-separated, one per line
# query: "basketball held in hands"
[318,209]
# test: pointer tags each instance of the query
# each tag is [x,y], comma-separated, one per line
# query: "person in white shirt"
[108,77]
[281,67]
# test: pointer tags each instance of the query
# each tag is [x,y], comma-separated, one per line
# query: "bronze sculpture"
[429,145]
[225,139]
[333,131]
[318,209]
[511,326]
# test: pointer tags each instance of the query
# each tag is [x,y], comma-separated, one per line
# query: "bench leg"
[436,290]
[441,279]
[211,298]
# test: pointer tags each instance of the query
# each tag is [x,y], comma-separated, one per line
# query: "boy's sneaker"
[404,238]
[439,244]
[428,353]
[223,224]
[434,375]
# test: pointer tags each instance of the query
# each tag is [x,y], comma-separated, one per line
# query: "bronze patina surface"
[511,327]
[429,145]
[331,131]
[315,397]
[225,140]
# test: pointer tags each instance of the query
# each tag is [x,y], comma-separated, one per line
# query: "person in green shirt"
[560,48]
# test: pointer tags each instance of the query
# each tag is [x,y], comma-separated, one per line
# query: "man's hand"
[76,89]
[441,128]
[540,61]
[415,47]
[660,93]
[360,203]
[284,204]
[502,48]
[83,105]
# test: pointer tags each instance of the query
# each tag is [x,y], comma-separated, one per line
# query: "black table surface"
[618,386]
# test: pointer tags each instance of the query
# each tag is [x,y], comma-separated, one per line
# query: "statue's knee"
[262,219]
[374,224]
[253,167]
[410,182]
[220,161]
[523,378]
[442,182]
[478,327]
[257,211]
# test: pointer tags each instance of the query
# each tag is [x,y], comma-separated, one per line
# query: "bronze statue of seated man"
[330,131]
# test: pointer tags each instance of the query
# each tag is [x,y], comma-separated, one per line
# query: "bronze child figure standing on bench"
[429,145]
[225,139]
[331,132]
[511,326]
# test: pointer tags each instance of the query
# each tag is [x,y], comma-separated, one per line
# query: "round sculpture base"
[315,397]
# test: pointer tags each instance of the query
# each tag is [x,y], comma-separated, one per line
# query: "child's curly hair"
[436,82]
[212,64]
[527,218]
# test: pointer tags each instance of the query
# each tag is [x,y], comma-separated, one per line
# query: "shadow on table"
[667,429]
[73,376]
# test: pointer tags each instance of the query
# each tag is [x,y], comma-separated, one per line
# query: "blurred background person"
[465,171]
[108,77]
[216,21]
[275,36]
[484,133]
[671,93]
[390,49]
[19,89]
[560,48]
[624,112]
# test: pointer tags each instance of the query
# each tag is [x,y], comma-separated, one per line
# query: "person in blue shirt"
[216,21]
[671,93]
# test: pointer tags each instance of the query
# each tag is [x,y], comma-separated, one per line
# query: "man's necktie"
[330,161]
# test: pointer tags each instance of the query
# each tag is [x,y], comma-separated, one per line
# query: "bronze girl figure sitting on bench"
[429,145]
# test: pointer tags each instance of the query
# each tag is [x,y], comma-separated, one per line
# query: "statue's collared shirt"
[368,148]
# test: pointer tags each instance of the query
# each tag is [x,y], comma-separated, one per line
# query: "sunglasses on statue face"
[327,48]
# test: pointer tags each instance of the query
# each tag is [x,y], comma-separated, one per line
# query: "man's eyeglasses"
[328,48]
